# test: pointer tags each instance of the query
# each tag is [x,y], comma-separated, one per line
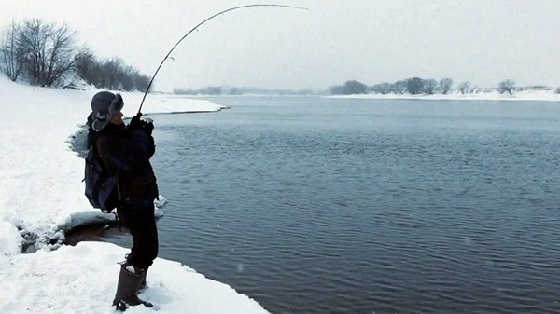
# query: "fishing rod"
[200,24]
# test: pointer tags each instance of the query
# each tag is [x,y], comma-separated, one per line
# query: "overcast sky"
[483,41]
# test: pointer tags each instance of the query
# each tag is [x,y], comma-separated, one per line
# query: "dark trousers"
[138,217]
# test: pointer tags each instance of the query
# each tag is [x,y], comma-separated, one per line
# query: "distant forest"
[413,86]
[45,54]
[417,85]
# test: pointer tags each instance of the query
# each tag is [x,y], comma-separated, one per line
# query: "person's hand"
[141,124]
[136,123]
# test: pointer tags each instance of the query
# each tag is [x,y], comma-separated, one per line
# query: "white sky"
[483,41]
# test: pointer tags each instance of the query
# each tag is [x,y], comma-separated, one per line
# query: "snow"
[82,279]
[40,184]
[525,95]
[41,196]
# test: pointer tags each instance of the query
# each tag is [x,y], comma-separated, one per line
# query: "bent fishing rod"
[200,24]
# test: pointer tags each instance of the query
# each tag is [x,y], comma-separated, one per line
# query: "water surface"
[315,205]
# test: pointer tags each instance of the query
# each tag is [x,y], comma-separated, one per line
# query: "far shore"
[528,95]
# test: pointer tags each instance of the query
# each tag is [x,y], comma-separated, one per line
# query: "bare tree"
[349,87]
[126,78]
[141,82]
[111,73]
[355,87]
[86,66]
[383,88]
[11,55]
[506,86]
[415,85]
[464,87]
[430,86]
[47,51]
[445,84]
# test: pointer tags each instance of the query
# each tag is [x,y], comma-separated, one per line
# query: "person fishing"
[124,152]
[124,178]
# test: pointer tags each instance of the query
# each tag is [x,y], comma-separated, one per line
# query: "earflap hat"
[103,106]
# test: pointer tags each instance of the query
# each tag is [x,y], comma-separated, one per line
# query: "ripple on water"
[396,209]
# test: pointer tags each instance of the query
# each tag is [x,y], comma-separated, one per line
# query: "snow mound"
[82,279]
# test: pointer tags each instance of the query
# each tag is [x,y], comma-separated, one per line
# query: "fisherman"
[125,152]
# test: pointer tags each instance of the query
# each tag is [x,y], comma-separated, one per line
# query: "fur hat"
[103,106]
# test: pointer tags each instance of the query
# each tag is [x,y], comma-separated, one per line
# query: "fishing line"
[200,24]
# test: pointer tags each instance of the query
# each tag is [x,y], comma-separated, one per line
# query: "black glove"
[136,123]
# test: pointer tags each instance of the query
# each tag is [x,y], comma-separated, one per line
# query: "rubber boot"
[143,283]
[129,282]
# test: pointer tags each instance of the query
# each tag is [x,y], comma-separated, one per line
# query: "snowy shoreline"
[42,198]
[526,95]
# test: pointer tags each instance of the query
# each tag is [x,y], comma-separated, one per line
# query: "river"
[318,205]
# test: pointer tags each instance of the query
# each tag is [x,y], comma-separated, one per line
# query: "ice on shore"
[97,217]
[42,195]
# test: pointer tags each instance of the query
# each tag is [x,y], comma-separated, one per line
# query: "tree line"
[417,85]
[46,55]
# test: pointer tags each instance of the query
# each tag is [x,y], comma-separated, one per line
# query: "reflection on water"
[313,205]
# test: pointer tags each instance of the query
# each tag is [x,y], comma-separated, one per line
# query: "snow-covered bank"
[41,178]
[42,196]
[82,279]
[163,104]
[526,95]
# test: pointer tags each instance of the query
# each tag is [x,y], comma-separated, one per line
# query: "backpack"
[100,186]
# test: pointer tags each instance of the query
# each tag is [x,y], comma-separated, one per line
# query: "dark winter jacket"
[125,153]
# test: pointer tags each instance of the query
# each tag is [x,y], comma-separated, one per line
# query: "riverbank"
[41,198]
[526,95]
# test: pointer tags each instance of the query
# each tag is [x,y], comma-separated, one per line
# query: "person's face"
[117,118]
